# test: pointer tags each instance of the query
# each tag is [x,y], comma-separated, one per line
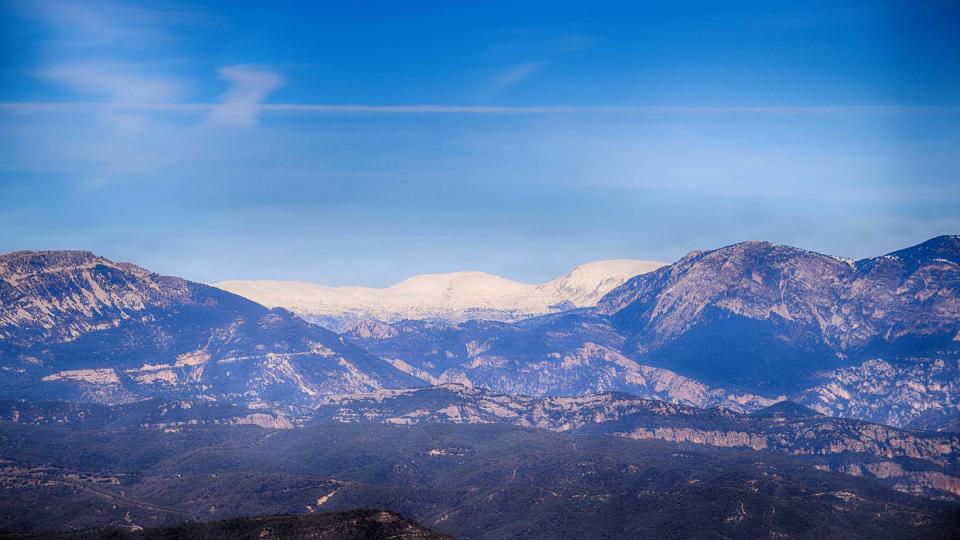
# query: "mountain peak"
[431,283]
[762,246]
[60,295]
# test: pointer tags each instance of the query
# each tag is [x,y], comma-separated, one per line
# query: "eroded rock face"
[923,483]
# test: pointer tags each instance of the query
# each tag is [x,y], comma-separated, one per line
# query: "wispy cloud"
[250,85]
[515,74]
[116,54]
[116,83]
[105,24]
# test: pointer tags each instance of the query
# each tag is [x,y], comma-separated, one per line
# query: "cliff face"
[722,439]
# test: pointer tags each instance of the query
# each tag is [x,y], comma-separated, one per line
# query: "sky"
[363,142]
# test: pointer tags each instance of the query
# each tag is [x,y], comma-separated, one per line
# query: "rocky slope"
[54,297]
[572,354]
[74,325]
[452,297]
[918,394]
[766,317]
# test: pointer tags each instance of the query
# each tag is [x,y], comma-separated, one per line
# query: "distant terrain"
[452,298]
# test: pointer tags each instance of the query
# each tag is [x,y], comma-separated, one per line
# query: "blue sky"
[360,142]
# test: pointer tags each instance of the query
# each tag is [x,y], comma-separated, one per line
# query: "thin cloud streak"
[324,108]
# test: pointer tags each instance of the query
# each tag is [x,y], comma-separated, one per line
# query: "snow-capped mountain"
[452,297]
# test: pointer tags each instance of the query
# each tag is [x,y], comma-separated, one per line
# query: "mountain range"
[741,327]
[849,367]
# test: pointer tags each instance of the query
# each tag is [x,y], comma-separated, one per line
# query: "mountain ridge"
[75,325]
